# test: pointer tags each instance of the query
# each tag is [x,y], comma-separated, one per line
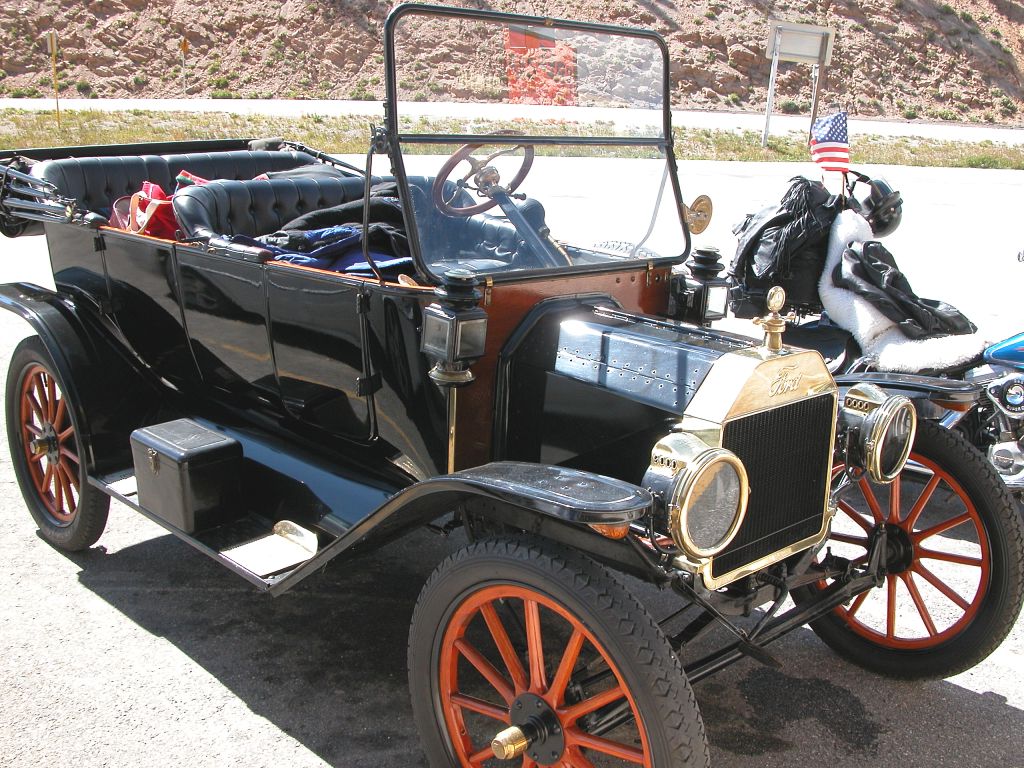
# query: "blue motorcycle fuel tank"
[1008,352]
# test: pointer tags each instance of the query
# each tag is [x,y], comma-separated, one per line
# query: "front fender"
[108,394]
[932,396]
[520,494]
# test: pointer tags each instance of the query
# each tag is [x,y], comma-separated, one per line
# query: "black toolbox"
[187,474]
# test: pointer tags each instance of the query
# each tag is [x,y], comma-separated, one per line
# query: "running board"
[242,538]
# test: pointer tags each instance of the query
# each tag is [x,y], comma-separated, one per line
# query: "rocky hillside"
[916,59]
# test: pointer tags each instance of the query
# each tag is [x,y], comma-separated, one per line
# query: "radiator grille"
[787,452]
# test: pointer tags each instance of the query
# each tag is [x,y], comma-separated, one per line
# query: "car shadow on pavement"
[326,663]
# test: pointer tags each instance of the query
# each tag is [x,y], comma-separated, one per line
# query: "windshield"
[531,144]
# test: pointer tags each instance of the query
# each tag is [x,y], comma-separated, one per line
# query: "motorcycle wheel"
[955,564]
[46,450]
[515,630]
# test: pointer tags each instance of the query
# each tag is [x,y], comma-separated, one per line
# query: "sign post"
[183,47]
[803,44]
[51,48]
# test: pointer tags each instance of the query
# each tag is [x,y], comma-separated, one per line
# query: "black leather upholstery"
[257,207]
[95,182]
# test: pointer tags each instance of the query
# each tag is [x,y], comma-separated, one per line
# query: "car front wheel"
[544,652]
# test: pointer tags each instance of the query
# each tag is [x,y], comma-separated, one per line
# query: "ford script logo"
[786,381]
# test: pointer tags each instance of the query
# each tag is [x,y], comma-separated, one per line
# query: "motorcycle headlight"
[705,491]
[881,429]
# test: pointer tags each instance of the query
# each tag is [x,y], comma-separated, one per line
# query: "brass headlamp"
[880,431]
[704,491]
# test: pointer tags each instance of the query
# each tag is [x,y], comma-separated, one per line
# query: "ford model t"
[494,331]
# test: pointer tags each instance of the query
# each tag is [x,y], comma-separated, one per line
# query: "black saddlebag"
[187,474]
[783,245]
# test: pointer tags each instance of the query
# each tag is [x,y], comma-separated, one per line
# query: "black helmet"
[883,208]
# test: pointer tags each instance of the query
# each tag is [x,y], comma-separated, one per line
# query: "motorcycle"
[957,380]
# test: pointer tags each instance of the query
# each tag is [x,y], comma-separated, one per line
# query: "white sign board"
[802,43]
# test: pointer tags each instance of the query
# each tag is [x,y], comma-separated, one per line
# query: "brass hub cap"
[536,730]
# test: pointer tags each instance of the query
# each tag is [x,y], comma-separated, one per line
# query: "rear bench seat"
[96,182]
[257,207]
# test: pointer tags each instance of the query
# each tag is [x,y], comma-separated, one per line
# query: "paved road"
[722,121]
[142,652]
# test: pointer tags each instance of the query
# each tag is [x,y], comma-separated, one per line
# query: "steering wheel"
[485,177]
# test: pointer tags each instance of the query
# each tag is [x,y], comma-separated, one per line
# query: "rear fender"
[109,394]
[551,501]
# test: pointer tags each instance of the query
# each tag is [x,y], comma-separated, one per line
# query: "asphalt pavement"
[141,651]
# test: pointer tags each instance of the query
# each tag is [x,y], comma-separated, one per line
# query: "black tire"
[70,513]
[571,592]
[988,579]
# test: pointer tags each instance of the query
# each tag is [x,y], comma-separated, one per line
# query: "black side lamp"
[701,296]
[454,329]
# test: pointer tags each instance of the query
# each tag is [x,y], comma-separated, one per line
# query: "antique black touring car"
[498,333]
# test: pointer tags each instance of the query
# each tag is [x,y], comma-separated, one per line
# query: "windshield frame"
[394,139]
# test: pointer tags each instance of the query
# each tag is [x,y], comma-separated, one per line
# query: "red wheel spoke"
[35,458]
[849,538]
[942,527]
[69,499]
[592,704]
[505,648]
[485,668]
[949,557]
[922,502]
[942,586]
[572,653]
[62,436]
[869,497]
[922,610]
[62,411]
[47,477]
[535,647]
[857,603]
[477,758]
[37,409]
[58,493]
[480,706]
[607,746]
[890,613]
[33,429]
[71,473]
[856,516]
[894,500]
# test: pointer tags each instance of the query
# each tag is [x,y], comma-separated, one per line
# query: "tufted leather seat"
[95,182]
[257,207]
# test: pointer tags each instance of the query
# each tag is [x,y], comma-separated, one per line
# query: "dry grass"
[20,128]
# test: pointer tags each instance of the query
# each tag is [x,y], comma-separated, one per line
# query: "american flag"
[830,143]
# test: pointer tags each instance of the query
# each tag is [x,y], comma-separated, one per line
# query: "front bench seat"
[96,182]
[257,207]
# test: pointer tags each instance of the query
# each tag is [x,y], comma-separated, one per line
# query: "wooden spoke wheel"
[519,645]
[46,450]
[954,561]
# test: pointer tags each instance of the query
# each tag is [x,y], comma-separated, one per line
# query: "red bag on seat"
[151,213]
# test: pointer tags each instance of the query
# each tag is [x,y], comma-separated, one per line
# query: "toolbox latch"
[154,460]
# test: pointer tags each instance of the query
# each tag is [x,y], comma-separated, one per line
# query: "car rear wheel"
[514,631]
[46,451]
[955,564]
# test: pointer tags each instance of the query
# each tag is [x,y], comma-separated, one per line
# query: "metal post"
[771,87]
[51,43]
[817,74]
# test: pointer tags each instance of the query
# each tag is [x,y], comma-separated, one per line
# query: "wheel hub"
[47,443]
[536,731]
[899,549]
